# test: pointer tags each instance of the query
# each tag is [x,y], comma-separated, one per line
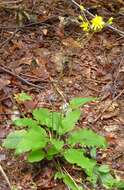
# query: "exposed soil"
[62,62]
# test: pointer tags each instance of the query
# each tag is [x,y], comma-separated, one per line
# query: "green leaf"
[51,152]
[22,97]
[104,169]
[87,137]
[33,140]
[36,156]
[68,180]
[78,102]
[93,153]
[58,144]
[56,147]
[69,121]
[76,156]
[55,121]
[108,180]
[25,122]
[14,138]
[59,175]
[42,115]
[119,184]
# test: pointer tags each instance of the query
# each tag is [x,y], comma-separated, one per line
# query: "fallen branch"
[9,39]
[121,33]
[5,177]
[10,2]
[33,24]
[20,78]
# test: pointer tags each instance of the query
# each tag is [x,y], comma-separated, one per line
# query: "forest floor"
[62,61]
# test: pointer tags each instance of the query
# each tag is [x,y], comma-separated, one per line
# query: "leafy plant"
[21,97]
[68,180]
[48,135]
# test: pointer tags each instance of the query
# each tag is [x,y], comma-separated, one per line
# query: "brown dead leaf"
[4,82]
[41,52]
[111,138]
[71,43]
[58,59]
[26,60]
[45,31]
[109,115]
[41,67]
[16,45]
[30,105]
[111,109]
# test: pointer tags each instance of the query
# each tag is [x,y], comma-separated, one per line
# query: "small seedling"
[22,97]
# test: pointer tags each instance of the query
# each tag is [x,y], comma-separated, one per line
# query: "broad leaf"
[33,140]
[69,121]
[56,147]
[36,156]
[78,102]
[58,144]
[119,184]
[42,115]
[87,137]
[25,122]
[76,156]
[68,180]
[104,169]
[108,180]
[14,138]
[55,121]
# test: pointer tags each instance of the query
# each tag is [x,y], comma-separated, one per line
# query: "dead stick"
[99,116]
[44,22]
[8,39]
[20,78]
[5,177]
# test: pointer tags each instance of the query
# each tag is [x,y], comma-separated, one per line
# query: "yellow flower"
[80,18]
[82,8]
[85,26]
[97,23]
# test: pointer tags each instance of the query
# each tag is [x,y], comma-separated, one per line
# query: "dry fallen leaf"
[111,128]
[71,43]
[4,82]
[45,31]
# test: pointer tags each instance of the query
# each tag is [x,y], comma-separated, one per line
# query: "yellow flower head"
[85,26]
[97,23]
[82,8]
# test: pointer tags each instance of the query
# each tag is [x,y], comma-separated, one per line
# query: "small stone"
[111,128]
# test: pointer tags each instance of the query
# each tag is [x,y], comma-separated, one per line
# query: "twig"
[92,15]
[5,177]
[99,116]
[30,24]
[118,70]
[20,78]
[9,39]
[118,156]
[11,2]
